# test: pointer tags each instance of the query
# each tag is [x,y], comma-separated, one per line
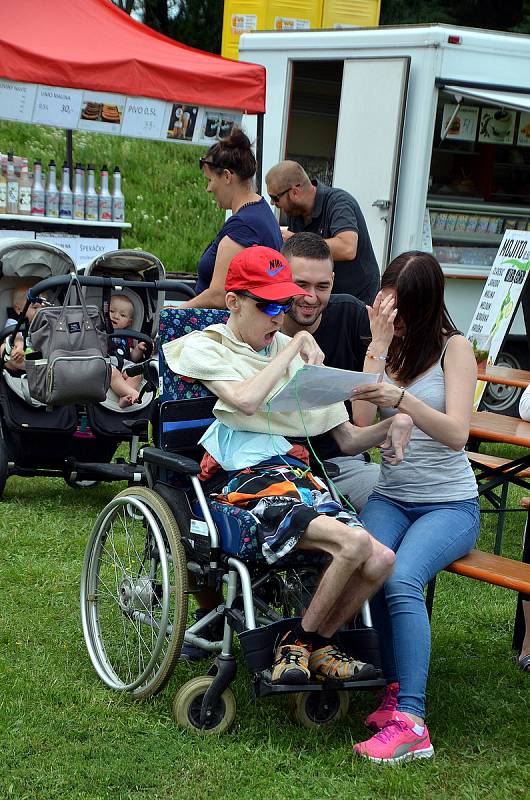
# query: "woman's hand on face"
[385,395]
[382,315]
[308,348]
[397,439]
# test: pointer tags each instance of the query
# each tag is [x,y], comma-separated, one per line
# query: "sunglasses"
[268,308]
[276,197]
[204,160]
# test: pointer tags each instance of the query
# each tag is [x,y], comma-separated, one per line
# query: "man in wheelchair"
[251,461]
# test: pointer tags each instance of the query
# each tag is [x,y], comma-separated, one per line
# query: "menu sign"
[101,112]
[523,135]
[57,106]
[498,302]
[496,125]
[143,118]
[17,101]
[464,123]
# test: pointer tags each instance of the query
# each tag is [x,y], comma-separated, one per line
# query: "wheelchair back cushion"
[174,323]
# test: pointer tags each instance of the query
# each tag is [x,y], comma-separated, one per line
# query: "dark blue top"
[252,224]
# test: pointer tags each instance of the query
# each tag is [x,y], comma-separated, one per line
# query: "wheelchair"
[147,542]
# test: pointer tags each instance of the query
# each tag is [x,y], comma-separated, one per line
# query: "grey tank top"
[430,472]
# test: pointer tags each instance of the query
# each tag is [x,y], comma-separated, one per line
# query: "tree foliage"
[198,23]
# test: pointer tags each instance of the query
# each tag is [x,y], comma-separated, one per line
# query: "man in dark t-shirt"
[336,216]
[340,325]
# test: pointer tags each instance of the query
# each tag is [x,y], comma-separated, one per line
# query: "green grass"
[171,214]
[65,736]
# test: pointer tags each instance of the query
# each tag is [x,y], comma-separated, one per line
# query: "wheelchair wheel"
[187,707]
[314,709]
[133,593]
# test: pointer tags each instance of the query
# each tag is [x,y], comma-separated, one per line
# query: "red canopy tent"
[92,44]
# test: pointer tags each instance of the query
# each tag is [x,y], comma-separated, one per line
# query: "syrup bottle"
[105,200]
[118,200]
[79,192]
[12,186]
[37,191]
[24,191]
[3,190]
[66,199]
[52,195]
[91,198]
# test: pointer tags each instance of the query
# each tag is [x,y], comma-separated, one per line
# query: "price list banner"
[499,300]
[143,118]
[17,101]
[59,107]
[115,114]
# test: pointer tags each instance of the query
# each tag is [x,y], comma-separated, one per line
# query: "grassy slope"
[65,736]
[171,214]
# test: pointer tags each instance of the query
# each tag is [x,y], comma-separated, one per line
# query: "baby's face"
[32,309]
[121,312]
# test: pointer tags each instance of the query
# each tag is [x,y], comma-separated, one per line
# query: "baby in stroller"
[123,349]
[15,361]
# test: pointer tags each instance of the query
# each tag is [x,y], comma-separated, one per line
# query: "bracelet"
[400,397]
[375,358]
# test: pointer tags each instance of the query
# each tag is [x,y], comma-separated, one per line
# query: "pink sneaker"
[396,742]
[378,718]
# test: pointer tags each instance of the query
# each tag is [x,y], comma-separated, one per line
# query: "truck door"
[368,150]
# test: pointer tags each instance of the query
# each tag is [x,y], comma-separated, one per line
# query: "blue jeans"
[426,537]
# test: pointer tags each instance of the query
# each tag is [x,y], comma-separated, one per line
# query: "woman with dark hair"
[230,167]
[426,509]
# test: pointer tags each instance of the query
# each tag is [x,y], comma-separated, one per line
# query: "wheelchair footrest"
[258,647]
[262,686]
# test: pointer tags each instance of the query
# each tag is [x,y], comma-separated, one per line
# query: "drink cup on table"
[481,343]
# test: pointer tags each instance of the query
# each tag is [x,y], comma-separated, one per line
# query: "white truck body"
[386,125]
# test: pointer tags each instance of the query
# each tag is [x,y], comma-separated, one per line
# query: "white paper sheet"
[318,387]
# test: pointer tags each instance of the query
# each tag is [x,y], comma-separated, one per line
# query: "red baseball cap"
[263,272]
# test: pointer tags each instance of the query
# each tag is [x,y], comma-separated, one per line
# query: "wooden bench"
[498,501]
[489,568]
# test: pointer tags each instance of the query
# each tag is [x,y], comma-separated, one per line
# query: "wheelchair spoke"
[134,604]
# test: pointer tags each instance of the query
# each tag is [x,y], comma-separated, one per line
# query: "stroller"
[146,543]
[76,442]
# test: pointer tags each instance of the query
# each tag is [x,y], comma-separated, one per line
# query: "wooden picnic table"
[490,427]
[505,375]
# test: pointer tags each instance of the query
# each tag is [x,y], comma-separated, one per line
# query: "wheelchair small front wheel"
[188,702]
[314,709]
[133,593]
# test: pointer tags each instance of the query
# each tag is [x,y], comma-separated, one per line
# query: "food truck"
[428,126]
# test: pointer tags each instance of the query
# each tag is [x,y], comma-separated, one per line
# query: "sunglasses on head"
[269,308]
[276,197]
[204,160]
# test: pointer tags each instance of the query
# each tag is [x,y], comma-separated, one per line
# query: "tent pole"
[70,155]
[259,153]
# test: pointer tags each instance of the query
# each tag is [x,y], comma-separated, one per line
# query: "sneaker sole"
[293,677]
[427,752]
[367,675]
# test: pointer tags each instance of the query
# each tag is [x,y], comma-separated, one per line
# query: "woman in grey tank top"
[426,509]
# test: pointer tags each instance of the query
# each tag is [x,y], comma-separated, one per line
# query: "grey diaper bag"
[68,360]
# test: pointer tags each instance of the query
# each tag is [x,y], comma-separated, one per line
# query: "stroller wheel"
[187,707]
[314,709]
[133,593]
[4,470]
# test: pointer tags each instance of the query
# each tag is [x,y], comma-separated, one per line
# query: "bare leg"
[362,585]
[127,394]
[359,566]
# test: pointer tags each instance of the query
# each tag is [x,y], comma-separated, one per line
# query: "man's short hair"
[307,245]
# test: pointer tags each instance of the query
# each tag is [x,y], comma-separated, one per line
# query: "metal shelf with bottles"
[479,184]
[466,235]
